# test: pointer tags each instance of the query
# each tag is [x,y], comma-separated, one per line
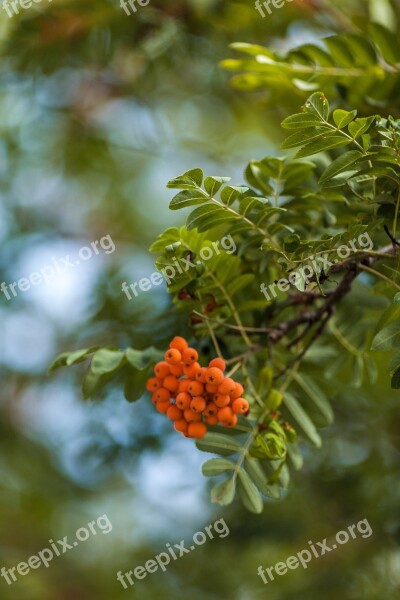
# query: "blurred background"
[98,110]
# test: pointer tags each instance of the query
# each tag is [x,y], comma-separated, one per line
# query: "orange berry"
[154,399]
[227,386]
[201,374]
[162,395]
[196,388]
[153,384]
[238,391]
[162,407]
[176,370]
[192,370]
[224,414]
[218,363]
[173,356]
[211,388]
[181,426]
[240,406]
[211,410]
[189,356]
[214,376]
[212,420]
[232,422]
[221,400]
[174,413]
[197,430]
[161,369]
[179,343]
[184,385]
[183,400]
[171,383]
[198,404]
[191,417]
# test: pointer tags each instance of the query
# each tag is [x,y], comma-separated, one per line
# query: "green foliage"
[291,214]
[366,66]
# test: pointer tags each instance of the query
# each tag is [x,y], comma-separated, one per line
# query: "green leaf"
[268,446]
[301,121]
[360,126]
[341,164]
[260,479]
[208,216]
[188,198]
[395,383]
[67,359]
[327,143]
[135,384]
[264,381]
[141,359]
[223,493]
[305,136]
[230,193]
[107,361]
[343,117]
[188,180]
[302,419]
[249,494]
[213,184]
[387,338]
[218,443]
[319,105]
[216,466]
[317,396]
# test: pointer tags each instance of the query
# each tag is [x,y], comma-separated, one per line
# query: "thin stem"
[233,309]
[378,274]
[344,341]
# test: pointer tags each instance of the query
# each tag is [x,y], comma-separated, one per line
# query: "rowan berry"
[183,385]
[212,420]
[179,343]
[176,370]
[181,426]
[197,430]
[171,383]
[221,400]
[227,386]
[211,388]
[214,376]
[189,356]
[240,406]
[201,374]
[196,388]
[173,356]
[224,414]
[153,384]
[211,410]
[192,370]
[162,407]
[218,363]
[237,392]
[198,404]
[174,413]
[231,422]
[190,416]
[162,369]
[183,400]
[162,395]
[153,398]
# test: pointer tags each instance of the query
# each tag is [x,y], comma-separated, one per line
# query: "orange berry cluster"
[194,396]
